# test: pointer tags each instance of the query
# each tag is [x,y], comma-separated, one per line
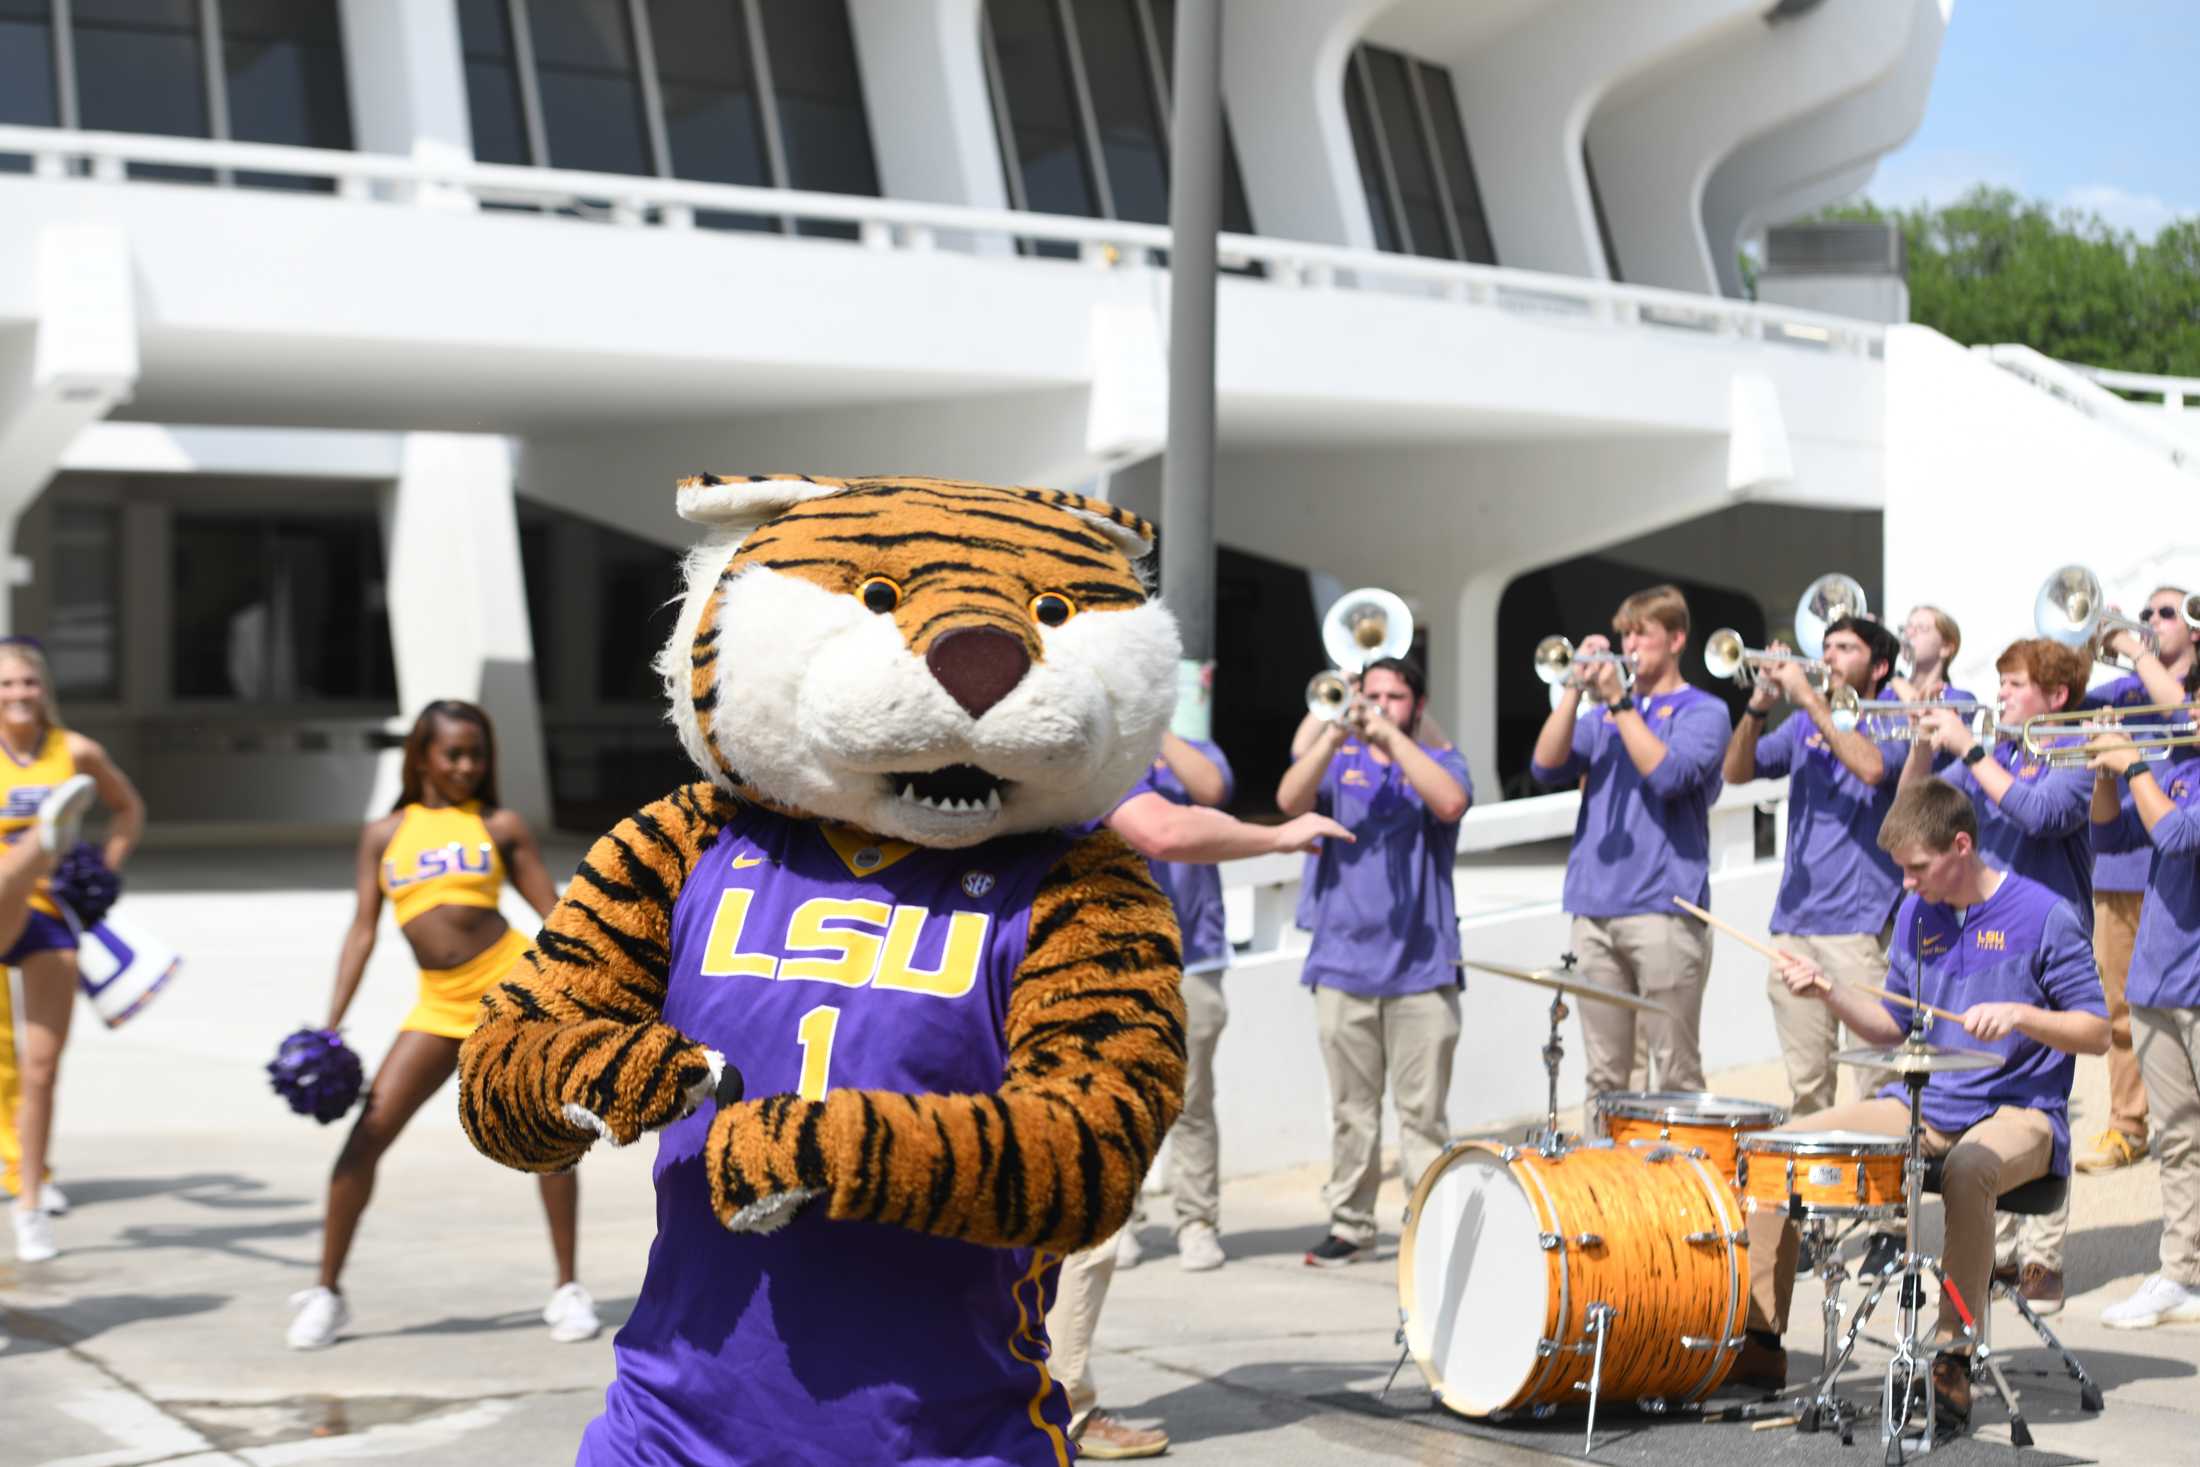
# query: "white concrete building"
[349,350]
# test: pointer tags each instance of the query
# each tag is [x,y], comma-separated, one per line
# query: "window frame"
[1385,196]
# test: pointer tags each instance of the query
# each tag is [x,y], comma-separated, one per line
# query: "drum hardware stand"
[1548,1139]
[1600,1316]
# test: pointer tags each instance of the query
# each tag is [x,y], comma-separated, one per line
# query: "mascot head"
[933,661]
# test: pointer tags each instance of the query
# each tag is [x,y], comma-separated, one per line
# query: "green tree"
[1993,267]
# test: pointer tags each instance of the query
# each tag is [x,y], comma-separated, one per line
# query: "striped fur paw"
[770,1214]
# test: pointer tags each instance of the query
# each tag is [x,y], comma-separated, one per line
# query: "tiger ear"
[1129,533]
[745,501]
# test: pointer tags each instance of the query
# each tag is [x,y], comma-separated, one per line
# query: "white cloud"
[2144,215]
[1938,176]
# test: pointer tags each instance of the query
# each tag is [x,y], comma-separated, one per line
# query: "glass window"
[140,68]
[1046,143]
[283,70]
[27,96]
[1124,105]
[641,601]
[1237,214]
[492,83]
[713,120]
[85,614]
[591,88]
[1428,232]
[822,123]
[1451,145]
[1361,122]
[536,568]
[280,609]
[1604,223]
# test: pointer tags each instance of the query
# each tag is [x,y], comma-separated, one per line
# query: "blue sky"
[2087,103]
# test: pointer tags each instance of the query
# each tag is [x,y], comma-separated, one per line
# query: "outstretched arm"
[1053,1158]
[572,1045]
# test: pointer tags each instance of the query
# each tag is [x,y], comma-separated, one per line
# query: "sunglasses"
[2166,613]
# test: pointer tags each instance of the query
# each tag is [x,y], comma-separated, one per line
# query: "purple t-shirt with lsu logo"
[2023,944]
[1194,888]
[1837,879]
[816,958]
[2039,827]
[2125,870]
[1643,839]
[1385,915]
[2165,959]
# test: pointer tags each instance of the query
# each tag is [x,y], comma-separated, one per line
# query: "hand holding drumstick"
[1801,975]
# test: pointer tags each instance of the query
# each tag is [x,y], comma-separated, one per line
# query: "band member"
[2164,994]
[1643,837]
[2014,959]
[1168,817]
[2032,818]
[2160,675]
[1384,962]
[1838,888]
[1933,639]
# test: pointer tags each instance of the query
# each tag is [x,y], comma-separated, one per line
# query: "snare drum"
[1507,1253]
[1687,1118]
[1828,1173]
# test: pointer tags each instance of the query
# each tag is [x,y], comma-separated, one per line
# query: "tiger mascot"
[889,912]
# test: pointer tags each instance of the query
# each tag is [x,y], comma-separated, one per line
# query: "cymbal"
[1544,978]
[1918,1059]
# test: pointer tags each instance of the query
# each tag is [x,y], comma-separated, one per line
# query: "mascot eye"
[1052,608]
[879,594]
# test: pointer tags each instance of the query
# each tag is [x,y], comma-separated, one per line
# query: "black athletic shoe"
[1881,1255]
[1332,1252]
[1806,1260]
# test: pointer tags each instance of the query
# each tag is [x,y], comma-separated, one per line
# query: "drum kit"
[1569,1270]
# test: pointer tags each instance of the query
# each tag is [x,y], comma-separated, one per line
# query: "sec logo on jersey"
[977,883]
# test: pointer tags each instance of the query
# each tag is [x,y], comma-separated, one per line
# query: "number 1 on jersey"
[815,1033]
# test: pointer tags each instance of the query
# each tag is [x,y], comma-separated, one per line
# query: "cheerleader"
[50,780]
[440,857]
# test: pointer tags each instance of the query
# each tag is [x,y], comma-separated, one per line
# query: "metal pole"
[1188,462]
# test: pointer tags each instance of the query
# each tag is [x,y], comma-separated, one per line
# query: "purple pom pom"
[83,884]
[317,1073]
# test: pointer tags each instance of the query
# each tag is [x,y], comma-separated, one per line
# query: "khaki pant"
[2008,1148]
[2115,928]
[1665,959]
[1195,1147]
[2168,1045]
[2022,1240]
[1809,1032]
[1409,1041]
[1078,1295]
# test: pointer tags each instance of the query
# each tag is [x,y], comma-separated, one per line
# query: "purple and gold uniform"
[2165,961]
[2125,869]
[28,782]
[2023,944]
[816,958]
[2038,828]
[1837,880]
[444,856]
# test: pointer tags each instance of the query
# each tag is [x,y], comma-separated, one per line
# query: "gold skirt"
[450,998]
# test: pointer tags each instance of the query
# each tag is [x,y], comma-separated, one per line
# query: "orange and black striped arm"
[575,1030]
[1052,1159]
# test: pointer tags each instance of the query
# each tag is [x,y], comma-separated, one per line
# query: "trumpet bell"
[1328,695]
[2192,611]
[1554,660]
[1722,653]
[2068,608]
[1825,601]
[1366,626]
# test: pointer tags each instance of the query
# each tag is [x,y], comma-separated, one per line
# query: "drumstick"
[1775,953]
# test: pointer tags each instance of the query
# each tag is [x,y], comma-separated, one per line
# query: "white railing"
[623,200]
[2084,389]
[2174,392]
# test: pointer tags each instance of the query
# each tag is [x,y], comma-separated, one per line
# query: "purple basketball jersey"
[817,959]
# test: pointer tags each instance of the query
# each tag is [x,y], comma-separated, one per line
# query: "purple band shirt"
[1194,888]
[2165,959]
[2038,828]
[2124,870]
[1837,879]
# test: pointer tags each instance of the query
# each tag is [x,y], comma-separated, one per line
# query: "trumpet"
[2192,611]
[1555,659]
[1872,715]
[1328,696]
[1360,627]
[2071,609]
[1725,655]
[2073,728]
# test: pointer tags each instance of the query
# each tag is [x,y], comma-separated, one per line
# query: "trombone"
[2071,609]
[2073,728]
[1556,657]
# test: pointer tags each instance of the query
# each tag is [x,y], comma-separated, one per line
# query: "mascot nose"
[978,666]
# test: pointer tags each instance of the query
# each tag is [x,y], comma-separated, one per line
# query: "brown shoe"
[1759,1366]
[1952,1386]
[2007,1275]
[1104,1438]
[2113,1149]
[2042,1288]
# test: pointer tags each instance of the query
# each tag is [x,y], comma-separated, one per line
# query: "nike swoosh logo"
[741,861]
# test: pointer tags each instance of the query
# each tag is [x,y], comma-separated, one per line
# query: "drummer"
[2014,959]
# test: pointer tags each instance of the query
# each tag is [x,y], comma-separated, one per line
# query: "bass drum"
[1508,1251]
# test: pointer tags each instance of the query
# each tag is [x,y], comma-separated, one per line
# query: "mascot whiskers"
[887,916]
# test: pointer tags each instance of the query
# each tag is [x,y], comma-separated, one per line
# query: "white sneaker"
[1199,1248]
[33,1236]
[2158,1301]
[61,814]
[571,1315]
[1128,1253]
[321,1317]
[52,1201]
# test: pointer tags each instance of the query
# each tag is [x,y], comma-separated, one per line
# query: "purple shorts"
[44,933]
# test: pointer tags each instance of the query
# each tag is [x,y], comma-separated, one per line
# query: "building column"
[406,72]
[458,600]
[1283,86]
[932,115]
[70,370]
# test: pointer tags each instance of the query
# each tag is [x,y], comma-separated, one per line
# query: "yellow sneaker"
[2113,1149]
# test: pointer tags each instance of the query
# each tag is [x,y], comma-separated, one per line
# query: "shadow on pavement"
[203,1189]
[1251,1243]
[1253,1398]
[234,1240]
[66,1326]
[612,1312]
